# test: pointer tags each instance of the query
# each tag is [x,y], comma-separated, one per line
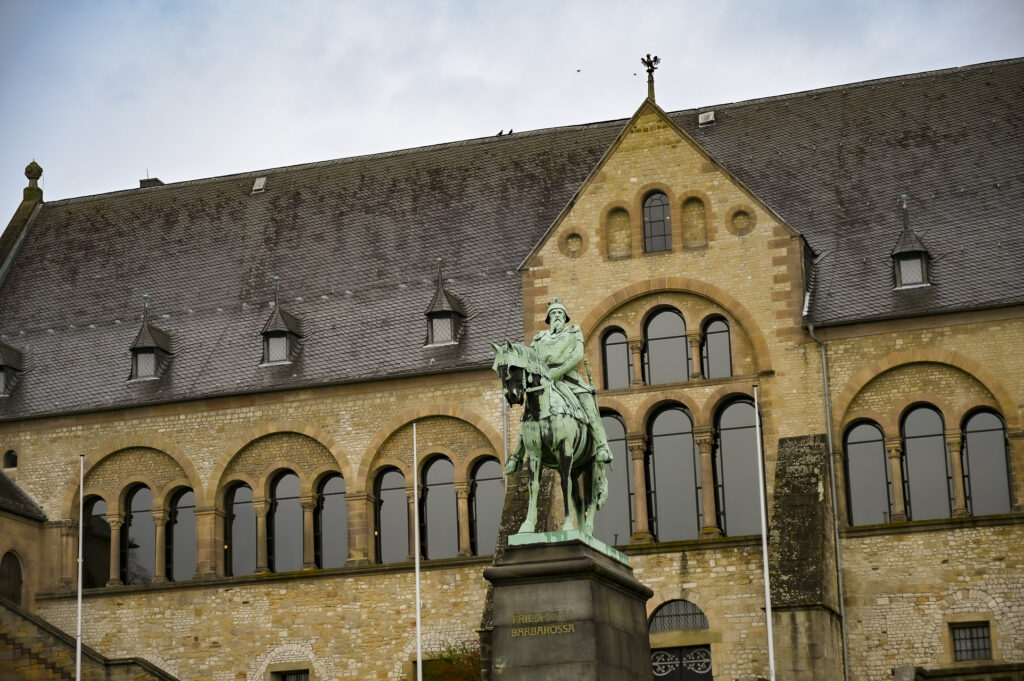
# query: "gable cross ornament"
[650,63]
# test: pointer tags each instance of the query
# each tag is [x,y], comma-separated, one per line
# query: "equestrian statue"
[561,426]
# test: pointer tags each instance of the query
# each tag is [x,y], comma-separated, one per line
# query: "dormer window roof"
[282,334]
[11,367]
[910,256]
[445,314]
[151,349]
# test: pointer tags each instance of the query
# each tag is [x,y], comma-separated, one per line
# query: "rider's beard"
[557,325]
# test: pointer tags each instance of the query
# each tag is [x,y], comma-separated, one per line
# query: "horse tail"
[600,482]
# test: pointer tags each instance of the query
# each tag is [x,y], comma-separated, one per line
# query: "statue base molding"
[568,610]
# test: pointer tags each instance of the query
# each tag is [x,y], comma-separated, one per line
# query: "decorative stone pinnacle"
[33,171]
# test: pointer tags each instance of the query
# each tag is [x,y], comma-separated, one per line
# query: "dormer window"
[445,315]
[11,367]
[282,334]
[150,351]
[910,256]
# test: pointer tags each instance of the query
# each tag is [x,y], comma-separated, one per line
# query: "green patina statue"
[561,426]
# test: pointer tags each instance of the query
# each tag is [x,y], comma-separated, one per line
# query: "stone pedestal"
[566,610]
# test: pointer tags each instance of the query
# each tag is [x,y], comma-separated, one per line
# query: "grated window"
[441,330]
[911,271]
[678,615]
[277,348]
[971,641]
[145,364]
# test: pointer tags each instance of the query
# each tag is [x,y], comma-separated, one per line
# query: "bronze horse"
[552,435]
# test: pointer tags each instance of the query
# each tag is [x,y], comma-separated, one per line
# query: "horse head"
[519,367]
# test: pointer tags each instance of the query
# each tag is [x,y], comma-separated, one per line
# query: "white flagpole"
[416,552]
[81,532]
[504,436]
[764,538]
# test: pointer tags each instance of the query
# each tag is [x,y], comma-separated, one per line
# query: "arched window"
[614,522]
[666,352]
[330,523]
[10,578]
[684,649]
[657,224]
[867,475]
[928,488]
[736,484]
[715,351]
[239,531]
[986,464]
[439,515]
[96,544]
[284,524]
[10,459]
[181,537]
[486,497]
[618,369]
[392,517]
[138,538]
[673,475]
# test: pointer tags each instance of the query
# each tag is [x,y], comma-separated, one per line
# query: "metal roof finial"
[277,289]
[906,211]
[145,307]
[651,63]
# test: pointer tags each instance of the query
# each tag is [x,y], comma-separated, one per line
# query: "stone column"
[308,539]
[69,553]
[261,507]
[160,565]
[954,445]
[360,528]
[636,349]
[637,444]
[703,439]
[411,497]
[693,338]
[462,499]
[1016,444]
[115,523]
[210,540]
[894,450]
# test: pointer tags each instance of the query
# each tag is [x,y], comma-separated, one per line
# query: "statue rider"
[561,347]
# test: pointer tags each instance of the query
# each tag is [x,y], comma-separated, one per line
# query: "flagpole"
[416,552]
[764,538]
[81,531]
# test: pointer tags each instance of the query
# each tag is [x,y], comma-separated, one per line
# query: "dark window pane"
[678,615]
[867,475]
[392,518]
[439,513]
[715,350]
[667,354]
[971,642]
[181,538]
[657,225]
[96,549]
[138,539]
[485,502]
[284,525]
[613,524]
[986,468]
[331,524]
[675,476]
[240,532]
[736,466]
[10,578]
[618,369]
[926,465]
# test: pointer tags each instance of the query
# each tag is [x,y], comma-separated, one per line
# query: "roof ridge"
[856,84]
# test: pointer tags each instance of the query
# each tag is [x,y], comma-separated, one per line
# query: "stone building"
[240,363]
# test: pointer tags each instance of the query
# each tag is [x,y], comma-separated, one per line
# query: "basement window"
[971,641]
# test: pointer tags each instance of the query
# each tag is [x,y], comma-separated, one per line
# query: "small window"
[10,459]
[297,675]
[10,578]
[145,364]
[657,224]
[618,367]
[911,271]
[259,185]
[441,330]
[971,641]
[276,349]
[3,380]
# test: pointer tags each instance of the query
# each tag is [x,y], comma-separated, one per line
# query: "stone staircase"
[32,649]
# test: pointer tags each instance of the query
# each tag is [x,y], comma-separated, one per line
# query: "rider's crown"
[556,304]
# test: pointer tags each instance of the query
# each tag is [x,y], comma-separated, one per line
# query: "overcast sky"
[101,92]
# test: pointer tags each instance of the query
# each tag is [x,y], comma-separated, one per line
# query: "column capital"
[115,522]
[637,445]
[635,344]
[160,517]
[261,507]
[308,503]
[358,496]
[704,437]
[893,447]
[462,491]
[954,438]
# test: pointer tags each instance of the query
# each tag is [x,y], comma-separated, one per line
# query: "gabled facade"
[247,518]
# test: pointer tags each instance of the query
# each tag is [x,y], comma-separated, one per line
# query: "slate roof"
[355,240]
[14,500]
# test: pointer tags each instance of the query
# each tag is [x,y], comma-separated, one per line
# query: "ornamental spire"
[651,63]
